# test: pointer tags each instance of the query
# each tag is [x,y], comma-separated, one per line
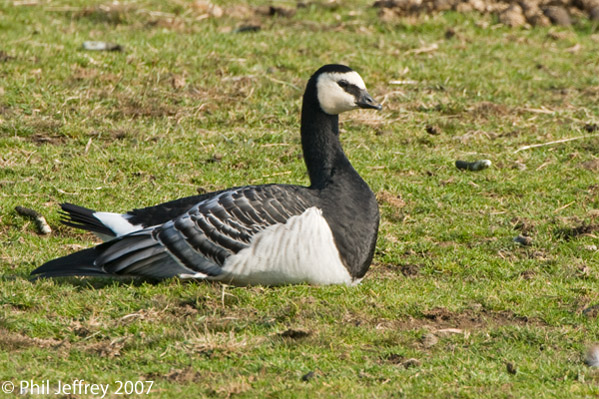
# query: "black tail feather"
[78,264]
[137,255]
[83,218]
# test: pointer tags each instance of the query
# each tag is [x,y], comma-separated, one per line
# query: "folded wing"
[195,244]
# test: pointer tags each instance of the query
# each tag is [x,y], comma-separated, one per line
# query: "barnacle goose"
[269,234]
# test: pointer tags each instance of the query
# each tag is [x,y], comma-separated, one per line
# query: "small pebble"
[523,240]
[449,331]
[412,362]
[591,358]
[433,130]
[519,166]
[101,46]
[294,334]
[429,340]
[473,166]
[247,29]
[558,15]
[591,311]
[449,33]
[512,16]
[308,376]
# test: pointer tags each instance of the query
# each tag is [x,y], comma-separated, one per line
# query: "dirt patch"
[510,13]
[109,349]
[80,73]
[469,319]
[525,226]
[395,202]
[592,165]
[4,57]
[119,134]
[179,376]
[591,127]
[392,270]
[396,358]
[40,130]
[487,110]
[152,107]
[592,312]
[568,233]
[40,139]
[443,317]
[433,130]
[10,341]
[224,386]
[392,199]
[410,269]
[217,344]
[528,274]
[295,334]
[114,13]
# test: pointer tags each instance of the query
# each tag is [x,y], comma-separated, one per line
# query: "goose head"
[340,88]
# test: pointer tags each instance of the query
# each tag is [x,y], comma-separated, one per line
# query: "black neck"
[320,140]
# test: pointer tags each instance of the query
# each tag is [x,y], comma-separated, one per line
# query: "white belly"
[300,251]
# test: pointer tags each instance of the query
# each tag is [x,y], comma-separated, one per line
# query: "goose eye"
[343,83]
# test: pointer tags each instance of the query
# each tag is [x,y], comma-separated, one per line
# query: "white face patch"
[332,98]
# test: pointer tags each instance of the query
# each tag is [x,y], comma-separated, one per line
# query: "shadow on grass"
[91,282]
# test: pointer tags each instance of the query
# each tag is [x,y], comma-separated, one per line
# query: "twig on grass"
[561,208]
[282,82]
[425,49]
[527,147]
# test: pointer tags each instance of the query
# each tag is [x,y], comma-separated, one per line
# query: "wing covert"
[226,223]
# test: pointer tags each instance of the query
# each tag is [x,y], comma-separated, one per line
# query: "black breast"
[351,210]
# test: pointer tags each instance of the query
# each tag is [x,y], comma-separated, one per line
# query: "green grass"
[190,104]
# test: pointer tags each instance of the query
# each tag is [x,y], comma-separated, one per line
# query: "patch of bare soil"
[295,334]
[395,202]
[591,127]
[4,56]
[392,199]
[393,270]
[592,165]
[568,233]
[487,109]
[151,107]
[109,349]
[40,138]
[395,358]
[525,226]
[43,130]
[12,341]
[592,312]
[179,376]
[440,318]
[410,269]
[114,13]
[509,12]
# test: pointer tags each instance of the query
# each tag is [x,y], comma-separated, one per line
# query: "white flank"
[300,251]
[332,98]
[116,222]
